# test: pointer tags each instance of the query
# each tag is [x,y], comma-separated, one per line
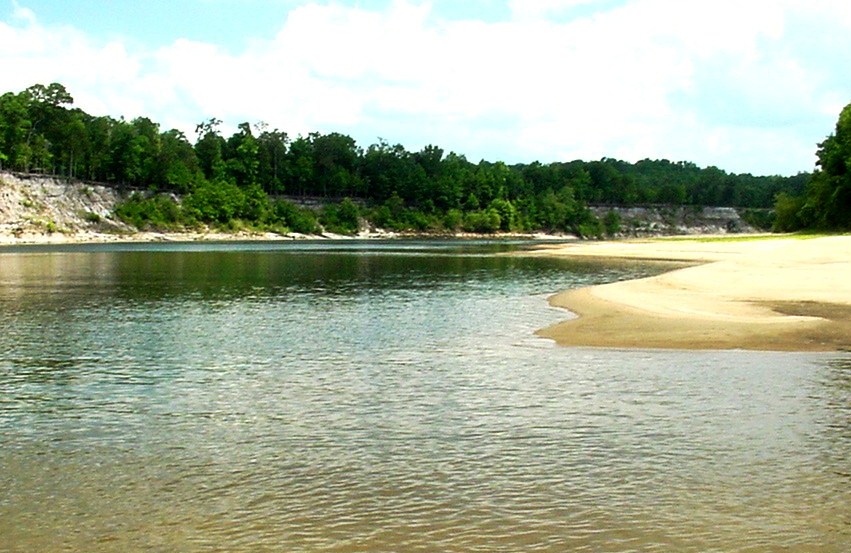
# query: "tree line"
[244,178]
[825,204]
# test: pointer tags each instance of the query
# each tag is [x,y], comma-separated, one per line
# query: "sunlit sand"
[790,294]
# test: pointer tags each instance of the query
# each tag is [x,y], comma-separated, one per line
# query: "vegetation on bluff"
[242,179]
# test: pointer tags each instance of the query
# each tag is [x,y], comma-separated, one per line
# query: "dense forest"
[250,177]
[826,203]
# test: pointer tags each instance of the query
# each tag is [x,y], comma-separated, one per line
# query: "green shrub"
[787,213]
[91,217]
[342,218]
[484,221]
[760,219]
[453,220]
[154,212]
[507,214]
[215,202]
[293,218]
[612,223]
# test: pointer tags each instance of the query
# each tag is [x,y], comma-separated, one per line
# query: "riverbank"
[93,237]
[42,209]
[765,293]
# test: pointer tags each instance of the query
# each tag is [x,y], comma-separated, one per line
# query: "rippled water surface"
[388,397]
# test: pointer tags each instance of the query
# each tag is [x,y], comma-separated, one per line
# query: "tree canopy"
[826,202]
[242,176]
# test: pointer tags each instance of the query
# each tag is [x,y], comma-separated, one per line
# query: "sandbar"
[767,293]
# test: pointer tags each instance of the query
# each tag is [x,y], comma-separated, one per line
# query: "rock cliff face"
[675,220]
[35,205]
[45,205]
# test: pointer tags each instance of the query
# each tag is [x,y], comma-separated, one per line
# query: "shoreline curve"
[766,293]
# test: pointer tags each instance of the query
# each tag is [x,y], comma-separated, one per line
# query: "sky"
[749,86]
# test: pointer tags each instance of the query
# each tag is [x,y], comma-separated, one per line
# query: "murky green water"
[388,397]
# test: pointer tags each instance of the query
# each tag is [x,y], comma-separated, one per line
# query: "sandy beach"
[769,293]
[89,237]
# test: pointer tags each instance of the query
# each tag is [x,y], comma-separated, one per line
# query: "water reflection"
[343,401]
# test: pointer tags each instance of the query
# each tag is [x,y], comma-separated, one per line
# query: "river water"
[342,397]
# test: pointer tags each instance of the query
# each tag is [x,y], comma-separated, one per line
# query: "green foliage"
[153,212]
[787,211]
[826,203]
[218,201]
[483,221]
[91,217]
[760,219]
[226,179]
[453,220]
[591,228]
[293,218]
[342,218]
[507,214]
[612,223]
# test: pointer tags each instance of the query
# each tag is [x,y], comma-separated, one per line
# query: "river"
[388,396]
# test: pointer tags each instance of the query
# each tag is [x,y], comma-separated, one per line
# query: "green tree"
[15,126]
[342,218]
[335,158]
[787,211]
[242,158]
[272,158]
[126,164]
[219,201]
[828,202]
[48,118]
[300,167]
[146,145]
[75,144]
[177,166]
[507,214]
[98,160]
[612,223]
[209,149]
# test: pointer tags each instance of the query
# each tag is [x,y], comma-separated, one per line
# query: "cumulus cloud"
[733,84]
[542,8]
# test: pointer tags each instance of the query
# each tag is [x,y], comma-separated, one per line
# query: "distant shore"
[765,293]
[88,237]
[91,237]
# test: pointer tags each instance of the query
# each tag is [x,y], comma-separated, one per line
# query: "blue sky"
[745,85]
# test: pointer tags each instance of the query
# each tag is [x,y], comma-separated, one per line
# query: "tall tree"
[272,157]
[828,203]
[15,127]
[242,157]
[177,165]
[209,149]
[335,159]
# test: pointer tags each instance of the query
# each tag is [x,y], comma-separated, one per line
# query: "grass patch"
[91,217]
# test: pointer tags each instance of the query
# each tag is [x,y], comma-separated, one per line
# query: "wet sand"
[780,294]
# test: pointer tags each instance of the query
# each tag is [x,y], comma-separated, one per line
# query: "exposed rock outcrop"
[46,205]
[675,220]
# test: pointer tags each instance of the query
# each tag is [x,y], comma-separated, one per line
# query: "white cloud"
[21,13]
[732,84]
[524,9]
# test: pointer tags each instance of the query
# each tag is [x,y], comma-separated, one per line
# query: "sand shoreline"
[87,237]
[777,294]
[58,238]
